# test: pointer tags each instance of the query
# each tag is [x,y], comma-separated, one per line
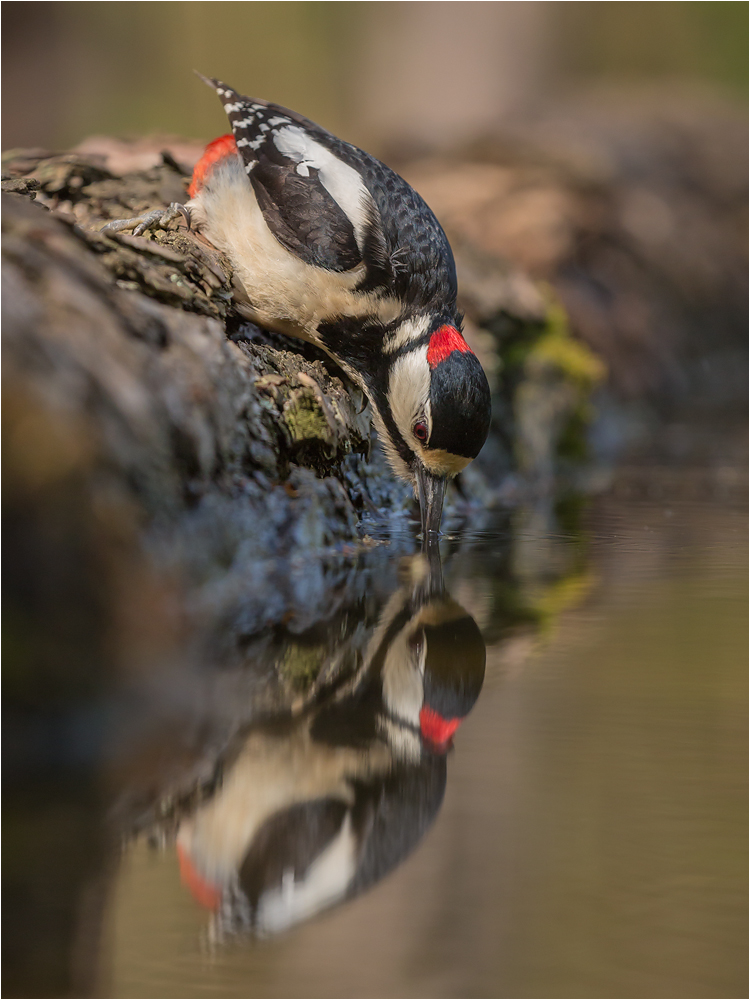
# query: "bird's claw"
[141,224]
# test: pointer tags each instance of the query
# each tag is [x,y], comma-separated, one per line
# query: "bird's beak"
[431,490]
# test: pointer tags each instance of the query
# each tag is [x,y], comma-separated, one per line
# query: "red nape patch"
[202,890]
[214,151]
[435,728]
[444,342]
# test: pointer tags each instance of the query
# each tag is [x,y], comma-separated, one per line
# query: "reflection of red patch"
[203,892]
[435,728]
[214,151]
[443,342]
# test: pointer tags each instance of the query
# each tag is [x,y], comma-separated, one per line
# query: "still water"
[518,770]
[577,828]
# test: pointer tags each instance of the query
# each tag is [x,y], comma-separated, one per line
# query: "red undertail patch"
[435,728]
[444,342]
[203,892]
[214,151]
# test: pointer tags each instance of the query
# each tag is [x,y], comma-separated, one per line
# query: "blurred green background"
[377,72]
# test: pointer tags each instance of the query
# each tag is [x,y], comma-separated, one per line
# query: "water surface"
[592,836]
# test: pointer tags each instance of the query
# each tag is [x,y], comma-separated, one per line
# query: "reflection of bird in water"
[317,808]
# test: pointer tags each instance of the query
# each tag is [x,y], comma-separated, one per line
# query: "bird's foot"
[160,217]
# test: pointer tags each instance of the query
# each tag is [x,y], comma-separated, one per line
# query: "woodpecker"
[330,245]
[316,809]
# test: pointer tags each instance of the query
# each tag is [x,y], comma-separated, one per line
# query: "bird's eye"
[420,431]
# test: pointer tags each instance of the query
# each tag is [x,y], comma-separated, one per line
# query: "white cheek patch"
[409,391]
[403,686]
[341,181]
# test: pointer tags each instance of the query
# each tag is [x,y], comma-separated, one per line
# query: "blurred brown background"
[435,72]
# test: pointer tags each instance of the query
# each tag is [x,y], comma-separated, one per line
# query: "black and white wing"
[335,206]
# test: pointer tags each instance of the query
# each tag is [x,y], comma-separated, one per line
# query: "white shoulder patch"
[324,883]
[341,181]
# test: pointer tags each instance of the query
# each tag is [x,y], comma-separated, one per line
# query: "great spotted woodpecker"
[317,808]
[330,245]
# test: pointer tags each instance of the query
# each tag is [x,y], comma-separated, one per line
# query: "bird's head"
[432,671]
[438,412]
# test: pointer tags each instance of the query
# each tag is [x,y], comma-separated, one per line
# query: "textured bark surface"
[170,407]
